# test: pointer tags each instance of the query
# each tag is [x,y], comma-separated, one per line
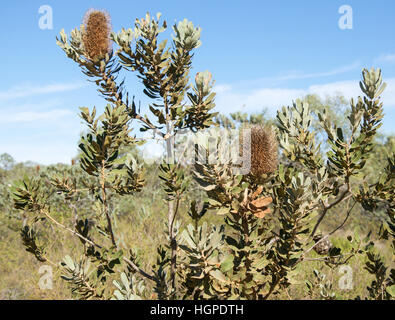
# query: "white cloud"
[30,116]
[386,58]
[231,99]
[276,81]
[152,151]
[295,75]
[350,89]
[347,88]
[333,72]
[27,90]
[222,88]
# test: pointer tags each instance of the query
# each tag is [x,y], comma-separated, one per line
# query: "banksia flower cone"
[324,246]
[264,149]
[96,35]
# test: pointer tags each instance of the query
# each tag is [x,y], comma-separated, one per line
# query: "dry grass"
[141,223]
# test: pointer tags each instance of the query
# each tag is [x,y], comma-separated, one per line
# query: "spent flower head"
[96,33]
[264,150]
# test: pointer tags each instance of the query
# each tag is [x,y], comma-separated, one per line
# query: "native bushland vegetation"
[114,227]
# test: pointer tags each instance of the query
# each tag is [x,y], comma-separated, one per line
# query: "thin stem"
[329,234]
[342,197]
[105,206]
[51,262]
[136,268]
[171,213]
[44,212]
[326,258]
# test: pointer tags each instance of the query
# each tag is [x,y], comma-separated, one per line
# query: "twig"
[68,229]
[136,268]
[329,234]
[327,207]
[105,207]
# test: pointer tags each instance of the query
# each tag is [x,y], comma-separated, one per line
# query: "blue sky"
[261,54]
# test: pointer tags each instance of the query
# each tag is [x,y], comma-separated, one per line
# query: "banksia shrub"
[269,222]
[96,35]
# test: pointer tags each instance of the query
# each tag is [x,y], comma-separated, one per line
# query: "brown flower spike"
[96,34]
[264,160]
[264,149]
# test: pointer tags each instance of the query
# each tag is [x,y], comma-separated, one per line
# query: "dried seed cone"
[324,246]
[264,150]
[96,35]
